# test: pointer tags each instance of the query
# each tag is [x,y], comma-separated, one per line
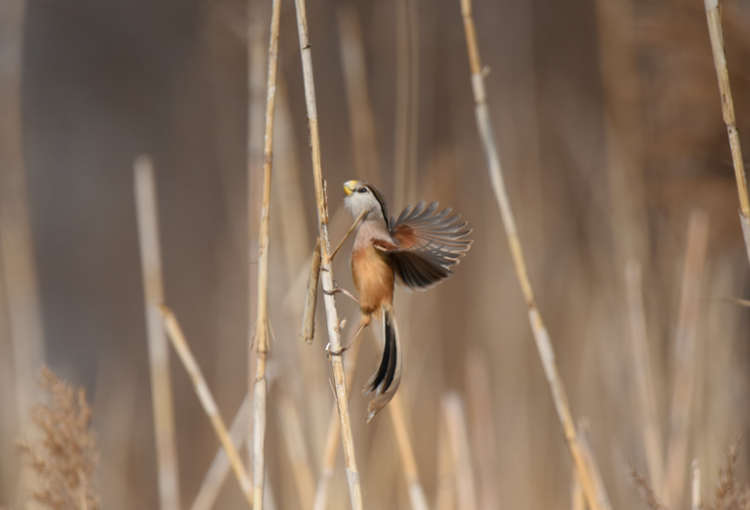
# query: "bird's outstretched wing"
[425,245]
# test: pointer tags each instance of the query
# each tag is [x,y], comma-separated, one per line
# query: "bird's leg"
[336,289]
[363,322]
[348,233]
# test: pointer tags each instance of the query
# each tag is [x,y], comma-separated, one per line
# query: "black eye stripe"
[362,190]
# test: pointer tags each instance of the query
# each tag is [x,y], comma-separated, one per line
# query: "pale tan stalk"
[446,483]
[454,414]
[180,345]
[577,499]
[260,337]
[331,450]
[623,132]
[219,468]
[408,461]
[588,452]
[256,69]
[685,358]
[352,474]
[354,66]
[407,102]
[294,440]
[695,486]
[713,17]
[651,430]
[541,336]
[158,350]
[483,425]
[24,326]
[311,297]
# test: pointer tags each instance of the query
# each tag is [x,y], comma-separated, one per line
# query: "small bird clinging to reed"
[418,248]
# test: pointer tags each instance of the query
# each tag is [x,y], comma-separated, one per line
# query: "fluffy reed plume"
[729,495]
[65,456]
[647,492]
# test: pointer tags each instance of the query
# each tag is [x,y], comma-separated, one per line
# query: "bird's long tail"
[386,379]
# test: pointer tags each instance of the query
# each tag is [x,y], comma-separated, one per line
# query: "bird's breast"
[373,279]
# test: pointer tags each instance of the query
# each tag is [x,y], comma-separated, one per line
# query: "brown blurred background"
[609,126]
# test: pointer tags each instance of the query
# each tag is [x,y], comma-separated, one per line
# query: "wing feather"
[425,244]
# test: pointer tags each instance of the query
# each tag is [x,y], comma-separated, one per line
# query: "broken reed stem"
[294,440]
[454,414]
[331,449]
[352,474]
[311,298]
[684,362]
[158,350]
[713,17]
[695,486]
[207,400]
[260,337]
[651,430]
[541,336]
[219,468]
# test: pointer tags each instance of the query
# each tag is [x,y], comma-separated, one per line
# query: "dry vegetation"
[612,156]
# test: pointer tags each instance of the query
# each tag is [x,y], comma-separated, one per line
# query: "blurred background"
[609,126]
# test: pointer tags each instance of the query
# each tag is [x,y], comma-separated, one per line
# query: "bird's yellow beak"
[350,186]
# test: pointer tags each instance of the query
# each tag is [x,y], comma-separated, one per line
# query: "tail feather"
[387,377]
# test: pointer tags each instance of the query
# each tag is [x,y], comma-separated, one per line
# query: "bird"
[417,249]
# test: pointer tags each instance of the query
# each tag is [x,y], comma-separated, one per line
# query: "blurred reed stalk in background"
[153,289]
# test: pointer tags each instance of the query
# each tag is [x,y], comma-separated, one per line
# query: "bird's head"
[363,196]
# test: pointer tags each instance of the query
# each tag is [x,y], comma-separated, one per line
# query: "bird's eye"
[362,190]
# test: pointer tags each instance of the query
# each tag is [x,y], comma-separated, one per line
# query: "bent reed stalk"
[541,336]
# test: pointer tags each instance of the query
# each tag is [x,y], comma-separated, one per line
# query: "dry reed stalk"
[541,336]
[454,414]
[652,437]
[408,461]
[354,66]
[716,33]
[158,350]
[311,297]
[294,439]
[623,131]
[332,319]
[577,499]
[219,468]
[407,103]
[25,329]
[685,352]
[695,486]
[260,336]
[588,452]
[207,400]
[331,449]
[483,425]
[446,482]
